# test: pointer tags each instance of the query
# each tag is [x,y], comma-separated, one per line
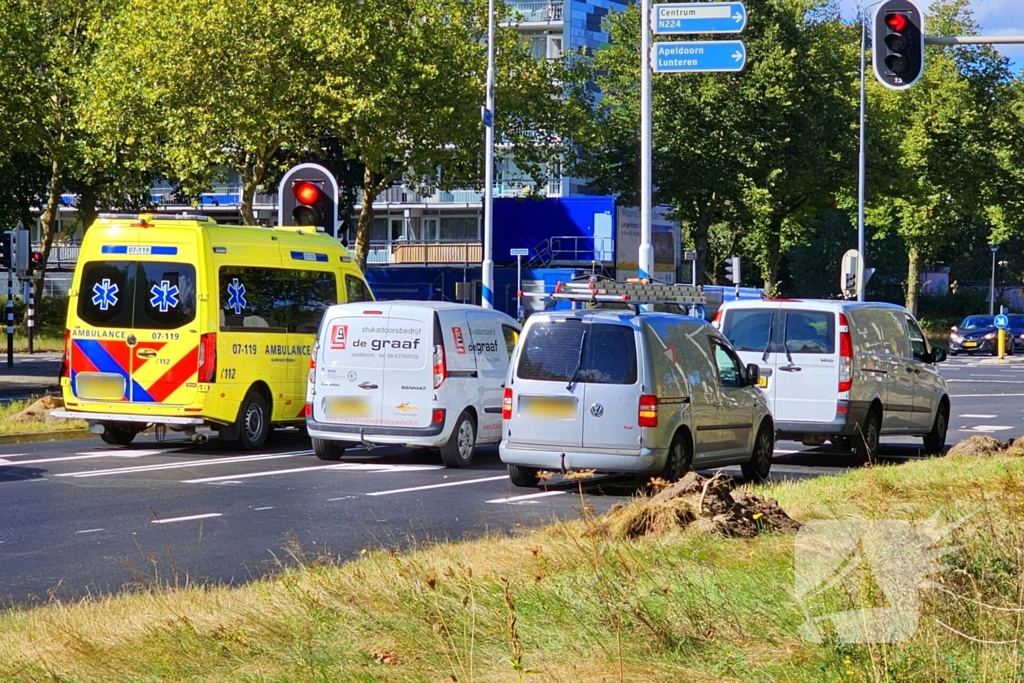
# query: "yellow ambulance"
[176,320]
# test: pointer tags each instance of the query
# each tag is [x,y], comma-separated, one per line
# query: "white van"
[421,374]
[842,371]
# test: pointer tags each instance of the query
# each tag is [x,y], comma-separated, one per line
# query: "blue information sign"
[698,56]
[698,17]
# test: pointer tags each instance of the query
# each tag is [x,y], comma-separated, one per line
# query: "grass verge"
[568,603]
[17,418]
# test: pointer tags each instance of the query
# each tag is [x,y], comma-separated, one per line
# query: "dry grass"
[566,604]
[30,417]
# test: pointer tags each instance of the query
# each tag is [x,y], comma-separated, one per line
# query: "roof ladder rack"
[633,293]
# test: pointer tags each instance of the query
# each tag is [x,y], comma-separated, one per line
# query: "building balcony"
[424,253]
[537,12]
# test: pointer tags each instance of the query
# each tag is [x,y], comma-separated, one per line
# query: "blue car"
[978,334]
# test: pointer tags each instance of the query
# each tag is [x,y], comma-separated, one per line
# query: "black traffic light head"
[732,269]
[308,195]
[35,263]
[898,55]
[5,251]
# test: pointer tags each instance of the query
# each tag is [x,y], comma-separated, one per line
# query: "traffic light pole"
[487,274]
[646,255]
[10,314]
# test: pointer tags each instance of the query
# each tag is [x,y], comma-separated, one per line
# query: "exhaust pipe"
[200,438]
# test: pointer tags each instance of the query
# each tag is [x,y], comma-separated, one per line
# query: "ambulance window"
[165,295]
[511,337]
[312,292]
[356,290]
[104,289]
[254,299]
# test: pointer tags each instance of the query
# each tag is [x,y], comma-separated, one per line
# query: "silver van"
[843,371]
[616,391]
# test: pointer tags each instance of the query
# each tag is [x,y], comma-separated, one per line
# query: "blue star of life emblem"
[104,294]
[236,296]
[165,296]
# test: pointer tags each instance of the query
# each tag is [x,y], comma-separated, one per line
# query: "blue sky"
[996,17]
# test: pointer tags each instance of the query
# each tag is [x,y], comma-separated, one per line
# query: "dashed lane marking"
[267,507]
[184,463]
[985,429]
[91,456]
[979,417]
[982,395]
[206,515]
[438,486]
[88,531]
[358,467]
[528,498]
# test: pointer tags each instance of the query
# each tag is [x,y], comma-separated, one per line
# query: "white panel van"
[413,373]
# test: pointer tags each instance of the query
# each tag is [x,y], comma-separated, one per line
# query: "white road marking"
[184,463]
[340,498]
[14,455]
[784,451]
[189,518]
[981,417]
[130,452]
[89,456]
[985,381]
[982,395]
[985,429]
[529,497]
[438,486]
[991,376]
[354,466]
[88,531]
[269,507]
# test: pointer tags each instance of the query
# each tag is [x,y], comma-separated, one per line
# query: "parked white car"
[413,373]
[842,371]
[614,391]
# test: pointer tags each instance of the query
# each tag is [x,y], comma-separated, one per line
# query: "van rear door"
[137,337]
[610,373]
[408,347]
[807,366]
[349,376]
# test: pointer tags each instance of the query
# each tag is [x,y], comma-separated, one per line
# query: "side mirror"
[953,329]
[753,374]
[938,355]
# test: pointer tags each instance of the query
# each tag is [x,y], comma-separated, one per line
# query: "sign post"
[10,299]
[519,254]
[1001,322]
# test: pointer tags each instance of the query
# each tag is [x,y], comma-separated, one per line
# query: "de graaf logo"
[460,342]
[339,336]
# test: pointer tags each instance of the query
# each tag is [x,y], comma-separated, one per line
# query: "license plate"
[970,344]
[762,382]
[551,408]
[341,407]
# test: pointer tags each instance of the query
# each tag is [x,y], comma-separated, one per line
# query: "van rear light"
[845,354]
[506,405]
[716,321]
[648,416]
[308,410]
[440,367]
[312,370]
[65,362]
[207,358]
[438,417]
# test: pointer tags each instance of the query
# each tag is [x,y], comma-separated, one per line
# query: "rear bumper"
[118,417]
[431,437]
[847,421]
[644,461]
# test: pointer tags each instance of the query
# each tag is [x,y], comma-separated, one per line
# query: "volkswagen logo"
[597,410]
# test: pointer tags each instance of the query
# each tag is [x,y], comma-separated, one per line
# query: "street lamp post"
[862,162]
[487,267]
[992,287]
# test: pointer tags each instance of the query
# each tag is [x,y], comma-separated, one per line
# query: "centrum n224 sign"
[698,17]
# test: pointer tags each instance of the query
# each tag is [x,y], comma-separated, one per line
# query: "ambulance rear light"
[845,354]
[208,358]
[440,366]
[65,362]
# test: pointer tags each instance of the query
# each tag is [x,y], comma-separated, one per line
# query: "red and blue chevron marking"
[92,355]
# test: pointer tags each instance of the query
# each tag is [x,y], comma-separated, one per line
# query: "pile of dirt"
[986,445]
[40,410]
[708,505]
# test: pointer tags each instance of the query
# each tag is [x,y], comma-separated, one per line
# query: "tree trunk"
[48,221]
[365,219]
[701,246]
[913,278]
[771,275]
[249,184]
[87,213]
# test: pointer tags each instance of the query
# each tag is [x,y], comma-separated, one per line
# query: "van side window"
[356,290]
[918,346]
[810,332]
[511,337]
[749,330]
[729,372]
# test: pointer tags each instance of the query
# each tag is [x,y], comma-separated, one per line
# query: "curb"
[1010,360]
[32,437]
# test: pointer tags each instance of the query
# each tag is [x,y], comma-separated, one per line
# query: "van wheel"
[118,434]
[523,476]
[935,441]
[328,450]
[458,450]
[760,463]
[253,421]
[867,440]
[679,459]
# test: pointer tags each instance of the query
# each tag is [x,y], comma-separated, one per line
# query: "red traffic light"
[896,22]
[306,192]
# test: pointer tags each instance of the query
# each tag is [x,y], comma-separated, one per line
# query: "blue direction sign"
[1001,322]
[698,17]
[519,252]
[698,56]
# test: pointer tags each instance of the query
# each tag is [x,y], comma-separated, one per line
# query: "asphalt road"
[80,517]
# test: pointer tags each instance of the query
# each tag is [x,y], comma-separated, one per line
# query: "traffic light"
[732,269]
[308,195]
[35,263]
[5,251]
[898,55]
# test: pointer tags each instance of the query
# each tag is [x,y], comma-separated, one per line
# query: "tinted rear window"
[810,332]
[140,295]
[552,351]
[748,330]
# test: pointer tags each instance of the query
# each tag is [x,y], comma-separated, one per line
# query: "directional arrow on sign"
[698,56]
[698,17]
